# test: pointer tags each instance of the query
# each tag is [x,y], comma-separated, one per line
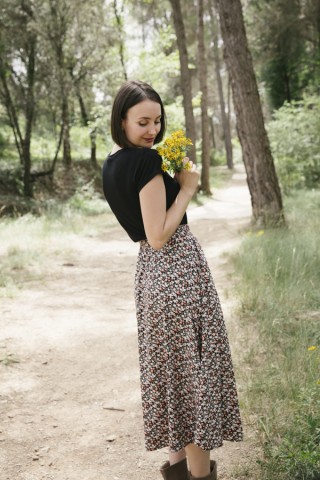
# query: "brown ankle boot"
[212,475]
[178,471]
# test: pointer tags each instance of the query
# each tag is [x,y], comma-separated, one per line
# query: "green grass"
[8,359]
[279,293]
[27,242]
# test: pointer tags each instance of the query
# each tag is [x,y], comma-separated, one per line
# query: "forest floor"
[70,408]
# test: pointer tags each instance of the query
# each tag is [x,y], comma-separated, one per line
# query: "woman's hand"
[188,179]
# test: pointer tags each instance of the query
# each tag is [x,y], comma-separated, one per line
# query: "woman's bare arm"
[160,224]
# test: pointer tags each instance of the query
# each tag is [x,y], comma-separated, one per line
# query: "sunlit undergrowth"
[26,241]
[280,302]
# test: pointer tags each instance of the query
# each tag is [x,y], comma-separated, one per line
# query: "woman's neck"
[115,149]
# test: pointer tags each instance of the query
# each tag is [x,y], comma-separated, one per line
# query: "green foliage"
[298,454]
[175,116]
[295,142]
[160,68]
[218,158]
[280,302]
[284,37]
[80,141]
[87,201]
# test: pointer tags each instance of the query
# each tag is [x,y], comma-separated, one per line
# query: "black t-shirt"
[124,174]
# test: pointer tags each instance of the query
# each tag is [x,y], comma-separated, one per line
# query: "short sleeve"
[149,166]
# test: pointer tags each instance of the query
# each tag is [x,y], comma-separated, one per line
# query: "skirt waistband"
[181,232]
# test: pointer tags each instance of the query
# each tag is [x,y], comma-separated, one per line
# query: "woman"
[188,390]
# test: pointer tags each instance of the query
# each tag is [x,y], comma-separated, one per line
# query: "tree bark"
[67,160]
[202,66]
[212,132]
[29,115]
[22,140]
[121,43]
[93,155]
[185,76]
[11,110]
[229,102]
[261,175]
[85,123]
[57,38]
[224,119]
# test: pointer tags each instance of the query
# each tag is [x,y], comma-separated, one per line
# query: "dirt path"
[70,409]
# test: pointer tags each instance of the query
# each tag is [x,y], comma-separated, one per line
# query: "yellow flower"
[187,166]
[312,348]
[261,232]
[173,151]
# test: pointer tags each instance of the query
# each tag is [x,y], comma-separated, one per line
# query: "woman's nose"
[153,129]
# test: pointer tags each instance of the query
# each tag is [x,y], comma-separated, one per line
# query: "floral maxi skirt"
[187,381]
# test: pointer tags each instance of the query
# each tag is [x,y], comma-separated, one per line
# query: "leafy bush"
[295,142]
[217,158]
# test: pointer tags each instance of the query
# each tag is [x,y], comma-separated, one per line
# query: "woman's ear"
[123,122]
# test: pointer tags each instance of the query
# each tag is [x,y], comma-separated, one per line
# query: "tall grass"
[279,292]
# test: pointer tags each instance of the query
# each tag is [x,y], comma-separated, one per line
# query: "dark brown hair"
[129,94]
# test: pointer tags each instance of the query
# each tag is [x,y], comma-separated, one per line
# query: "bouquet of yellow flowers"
[173,151]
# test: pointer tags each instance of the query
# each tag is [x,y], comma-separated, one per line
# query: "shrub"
[295,142]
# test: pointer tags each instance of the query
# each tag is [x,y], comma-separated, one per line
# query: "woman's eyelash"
[145,124]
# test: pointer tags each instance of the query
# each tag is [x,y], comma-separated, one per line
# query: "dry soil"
[70,409]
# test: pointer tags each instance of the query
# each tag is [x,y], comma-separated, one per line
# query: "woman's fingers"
[188,164]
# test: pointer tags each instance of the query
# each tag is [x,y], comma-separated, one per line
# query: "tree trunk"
[213,140]
[11,110]
[83,110]
[23,143]
[224,119]
[262,179]
[29,115]
[27,183]
[229,102]
[202,66]
[120,31]
[212,132]
[57,39]
[85,123]
[66,132]
[185,76]
[93,156]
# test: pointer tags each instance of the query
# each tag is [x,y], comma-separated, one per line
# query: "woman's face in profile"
[143,123]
